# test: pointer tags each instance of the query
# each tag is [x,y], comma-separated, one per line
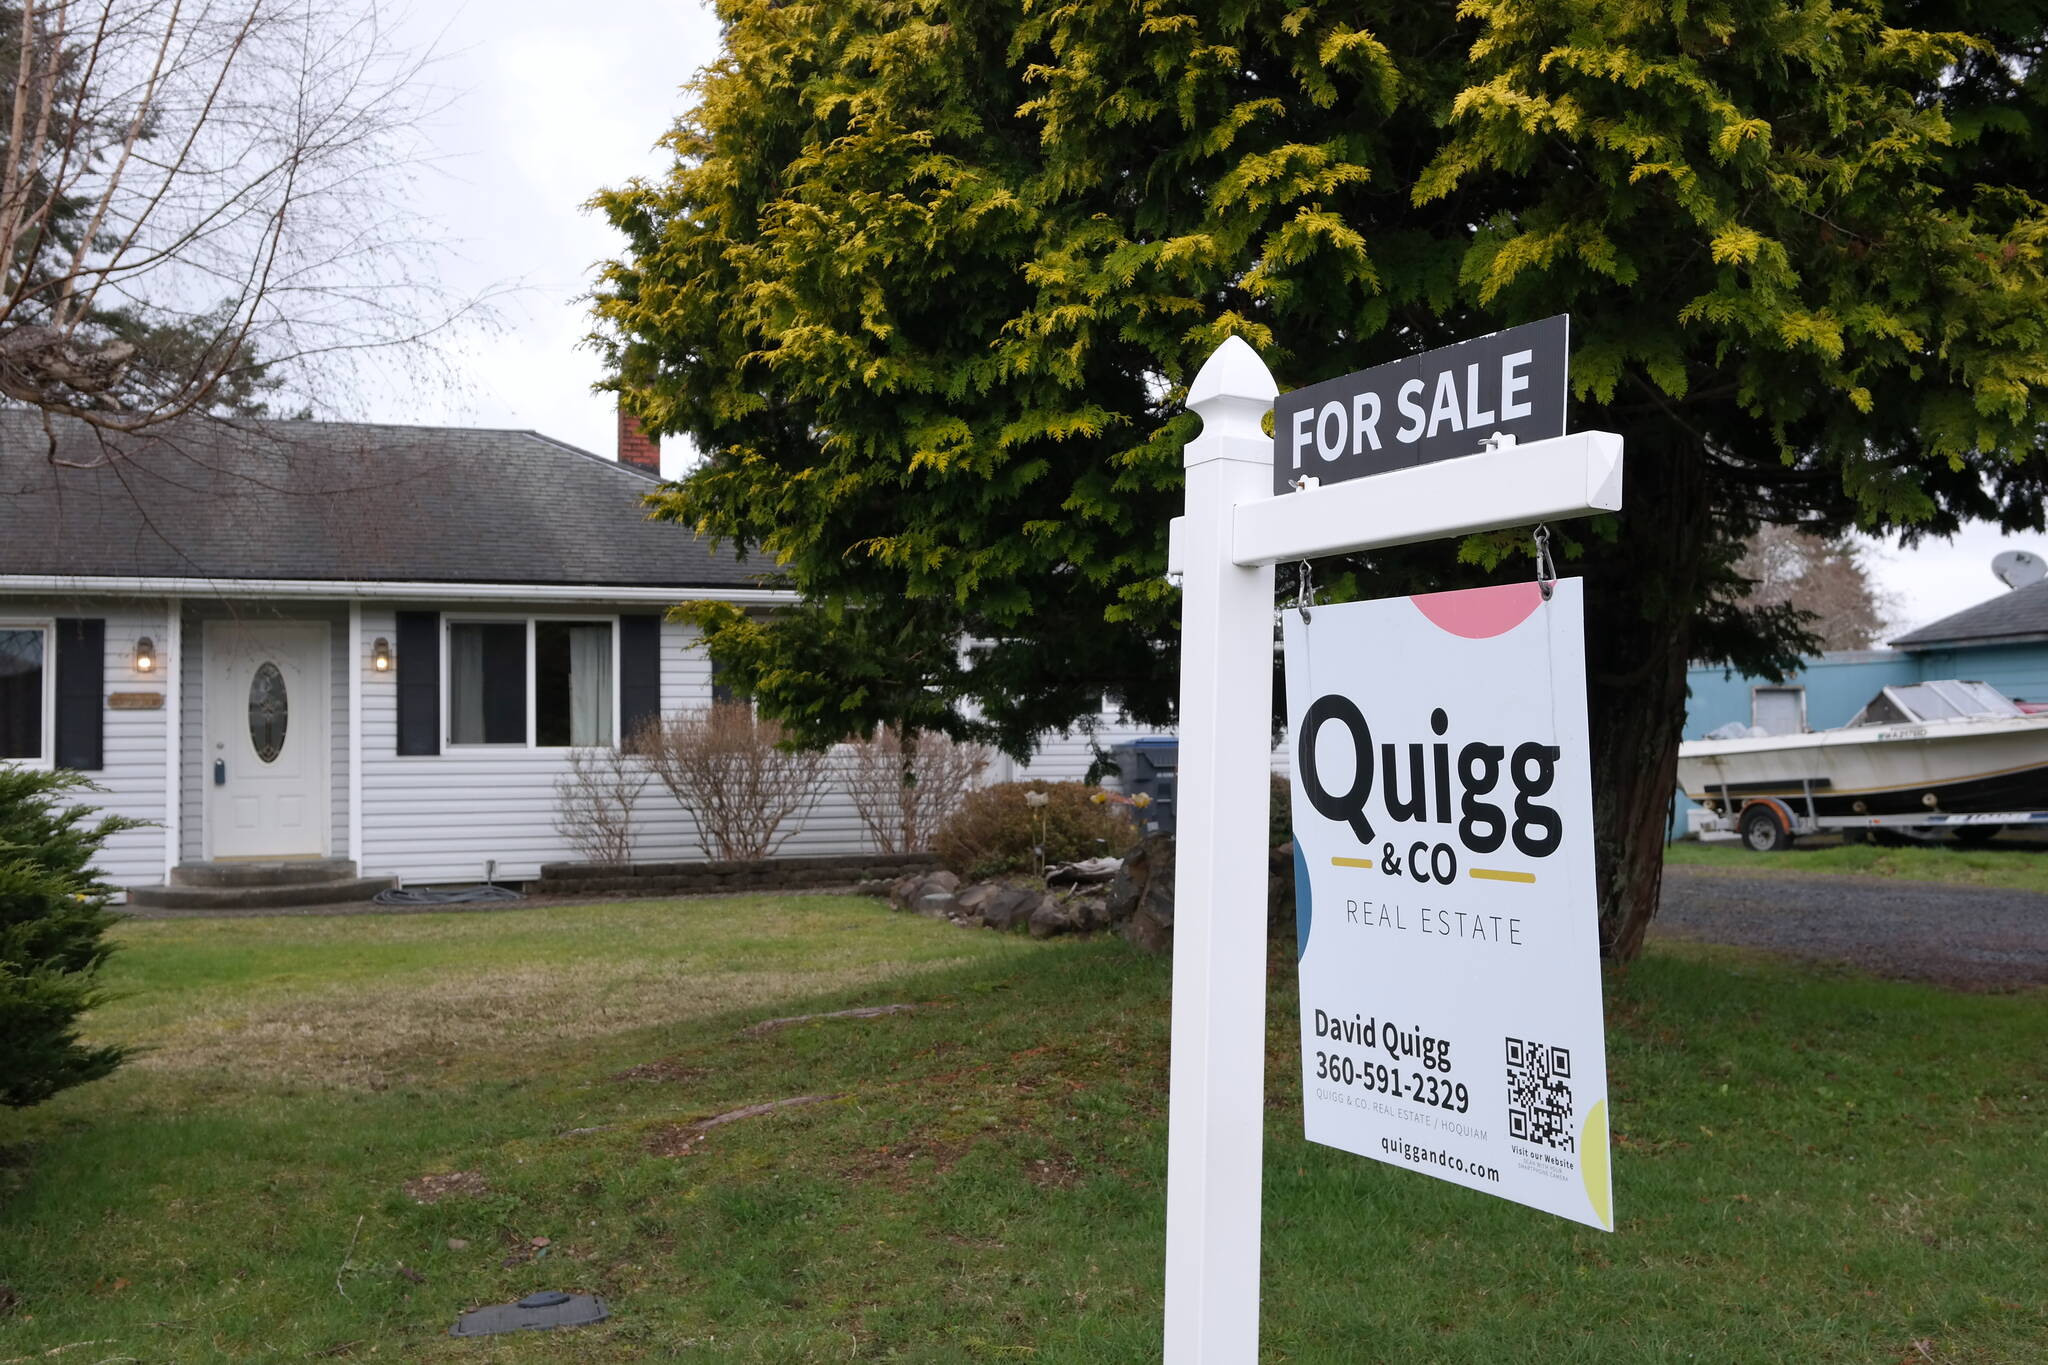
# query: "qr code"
[1540,1094]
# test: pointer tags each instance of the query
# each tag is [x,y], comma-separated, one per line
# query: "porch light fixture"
[145,655]
[380,655]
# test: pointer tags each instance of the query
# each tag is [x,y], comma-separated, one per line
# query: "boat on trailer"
[1919,758]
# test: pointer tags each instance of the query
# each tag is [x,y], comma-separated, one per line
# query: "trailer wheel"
[1978,834]
[1763,832]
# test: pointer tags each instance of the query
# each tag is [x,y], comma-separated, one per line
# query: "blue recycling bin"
[1150,766]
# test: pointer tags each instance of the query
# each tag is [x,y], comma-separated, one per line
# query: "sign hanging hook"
[1305,590]
[1546,569]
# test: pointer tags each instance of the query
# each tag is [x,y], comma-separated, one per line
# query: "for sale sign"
[1450,983]
[1438,405]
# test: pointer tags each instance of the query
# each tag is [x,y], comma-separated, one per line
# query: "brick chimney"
[636,447]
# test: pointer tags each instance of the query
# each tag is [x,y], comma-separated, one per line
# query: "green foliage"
[997,830]
[53,921]
[924,281]
[927,280]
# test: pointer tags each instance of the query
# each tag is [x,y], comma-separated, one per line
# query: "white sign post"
[1234,530]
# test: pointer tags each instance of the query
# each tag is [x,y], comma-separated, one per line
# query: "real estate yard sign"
[1450,986]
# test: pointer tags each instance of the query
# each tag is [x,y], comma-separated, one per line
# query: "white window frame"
[449,620]
[48,626]
[1800,688]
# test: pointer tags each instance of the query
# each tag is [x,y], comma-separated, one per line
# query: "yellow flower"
[1141,800]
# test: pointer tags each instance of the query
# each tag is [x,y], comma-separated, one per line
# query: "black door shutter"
[639,673]
[81,694]
[419,682]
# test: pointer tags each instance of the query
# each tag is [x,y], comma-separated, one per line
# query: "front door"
[266,739]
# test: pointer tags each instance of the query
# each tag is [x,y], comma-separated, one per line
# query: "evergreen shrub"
[53,921]
[996,830]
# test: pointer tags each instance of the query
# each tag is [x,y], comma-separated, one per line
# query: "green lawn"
[2011,864]
[1808,1167]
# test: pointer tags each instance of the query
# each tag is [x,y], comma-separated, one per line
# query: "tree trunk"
[907,794]
[1641,594]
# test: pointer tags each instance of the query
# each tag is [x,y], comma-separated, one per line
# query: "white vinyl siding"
[435,818]
[132,774]
[443,817]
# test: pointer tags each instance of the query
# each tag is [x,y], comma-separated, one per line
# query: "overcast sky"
[551,102]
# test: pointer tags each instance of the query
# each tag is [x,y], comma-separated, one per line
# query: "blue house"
[2003,641]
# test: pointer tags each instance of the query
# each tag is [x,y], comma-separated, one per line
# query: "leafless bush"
[727,768]
[904,789]
[594,803]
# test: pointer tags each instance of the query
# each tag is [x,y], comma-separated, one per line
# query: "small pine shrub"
[53,922]
[996,830]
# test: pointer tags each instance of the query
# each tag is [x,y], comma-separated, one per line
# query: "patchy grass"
[2011,865]
[1808,1167]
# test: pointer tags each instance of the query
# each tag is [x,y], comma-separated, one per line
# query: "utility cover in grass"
[534,1313]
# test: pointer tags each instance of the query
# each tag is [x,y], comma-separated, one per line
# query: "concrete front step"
[284,872]
[257,897]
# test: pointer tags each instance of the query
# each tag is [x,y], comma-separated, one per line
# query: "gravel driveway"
[1963,936]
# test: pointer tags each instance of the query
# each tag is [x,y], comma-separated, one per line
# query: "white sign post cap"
[1232,391]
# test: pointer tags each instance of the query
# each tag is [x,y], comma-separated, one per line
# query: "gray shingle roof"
[2019,613]
[331,500]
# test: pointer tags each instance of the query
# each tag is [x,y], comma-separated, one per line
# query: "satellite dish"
[2017,568]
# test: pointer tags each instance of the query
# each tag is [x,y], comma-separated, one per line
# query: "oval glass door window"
[269,712]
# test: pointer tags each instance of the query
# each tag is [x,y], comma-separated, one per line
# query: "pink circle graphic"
[1480,613]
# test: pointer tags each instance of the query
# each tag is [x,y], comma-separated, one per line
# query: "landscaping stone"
[1051,917]
[975,898]
[1090,909]
[1140,901]
[1009,908]
[1005,906]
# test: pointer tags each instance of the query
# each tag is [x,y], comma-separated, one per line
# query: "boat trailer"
[1767,824]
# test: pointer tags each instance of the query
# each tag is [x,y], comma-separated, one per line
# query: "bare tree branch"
[200,204]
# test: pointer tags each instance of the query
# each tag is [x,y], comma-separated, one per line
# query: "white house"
[376,645]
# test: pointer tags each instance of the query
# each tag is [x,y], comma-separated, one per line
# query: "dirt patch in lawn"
[679,1139]
[432,1189]
[902,1165]
[1053,1172]
[667,1071]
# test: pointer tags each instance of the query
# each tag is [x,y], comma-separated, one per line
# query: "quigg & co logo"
[1495,801]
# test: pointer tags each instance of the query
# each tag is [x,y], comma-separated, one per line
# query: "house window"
[544,682]
[572,683]
[27,693]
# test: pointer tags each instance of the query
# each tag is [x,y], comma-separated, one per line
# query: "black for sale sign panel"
[1435,406]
